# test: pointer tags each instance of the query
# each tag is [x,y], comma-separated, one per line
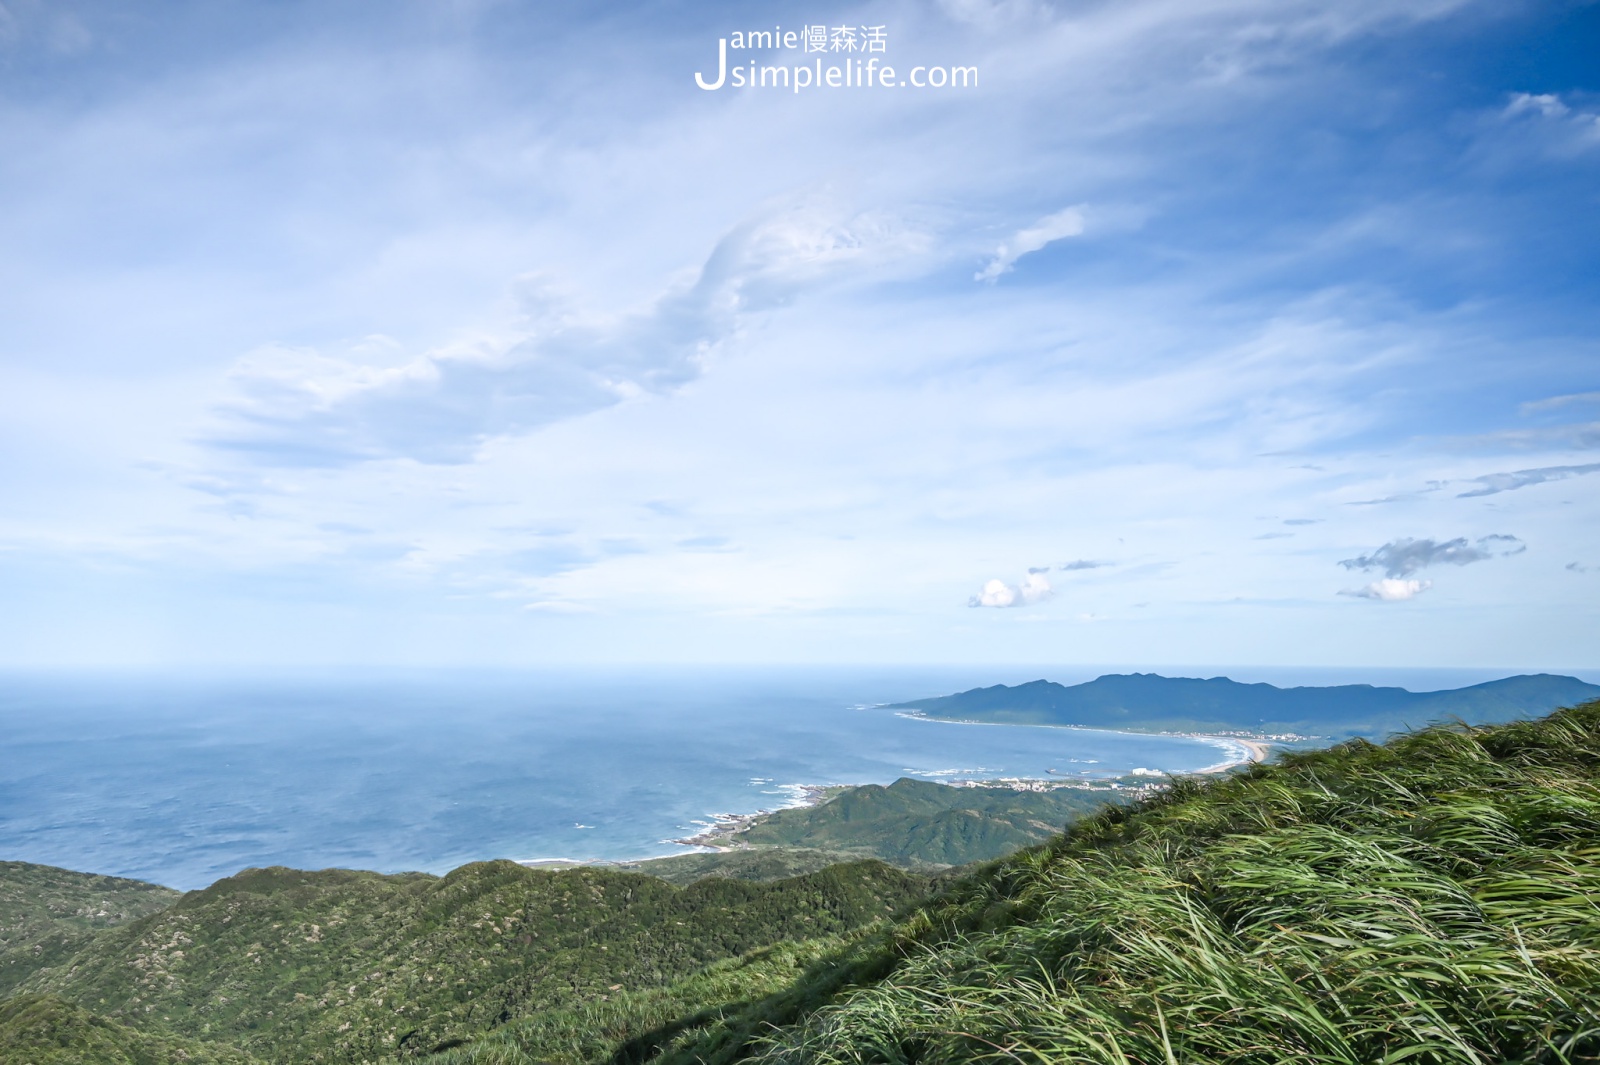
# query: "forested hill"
[345,966]
[916,823]
[48,914]
[1151,702]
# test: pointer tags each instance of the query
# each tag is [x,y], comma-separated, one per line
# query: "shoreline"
[1259,746]
[719,833]
[1254,751]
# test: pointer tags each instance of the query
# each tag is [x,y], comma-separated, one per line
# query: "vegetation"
[764,863]
[44,1030]
[1180,704]
[48,914]
[344,966]
[916,824]
[1432,900]
[634,1025]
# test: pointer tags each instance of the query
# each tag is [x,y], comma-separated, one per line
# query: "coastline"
[1257,748]
[1254,750]
[718,834]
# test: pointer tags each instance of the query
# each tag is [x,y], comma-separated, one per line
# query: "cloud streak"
[1402,558]
[1049,229]
[1495,483]
[296,407]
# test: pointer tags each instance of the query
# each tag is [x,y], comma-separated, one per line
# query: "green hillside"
[1184,704]
[48,914]
[45,1030]
[342,966]
[1434,900]
[915,823]
[763,863]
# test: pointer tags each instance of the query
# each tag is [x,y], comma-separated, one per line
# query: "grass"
[1433,900]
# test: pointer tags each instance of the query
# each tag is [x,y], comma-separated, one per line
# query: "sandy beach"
[1255,751]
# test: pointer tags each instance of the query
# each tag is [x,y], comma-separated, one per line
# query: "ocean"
[183,780]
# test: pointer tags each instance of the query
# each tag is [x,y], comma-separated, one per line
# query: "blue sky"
[475,332]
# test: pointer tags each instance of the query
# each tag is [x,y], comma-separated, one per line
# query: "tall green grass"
[1433,900]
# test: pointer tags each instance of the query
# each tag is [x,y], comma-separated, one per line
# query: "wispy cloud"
[297,407]
[1049,229]
[1561,129]
[1509,482]
[1581,436]
[1081,563]
[1034,588]
[1401,558]
[1557,402]
[1399,497]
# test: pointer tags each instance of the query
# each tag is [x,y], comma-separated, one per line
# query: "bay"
[185,779]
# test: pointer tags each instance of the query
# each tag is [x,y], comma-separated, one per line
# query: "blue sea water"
[185,780]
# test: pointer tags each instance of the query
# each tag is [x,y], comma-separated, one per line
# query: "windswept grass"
[1435,900]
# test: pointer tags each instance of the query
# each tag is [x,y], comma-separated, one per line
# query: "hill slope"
[1148,701]
[48,914]
[343,966]
[45,1030]
[1432,900]
[917,823]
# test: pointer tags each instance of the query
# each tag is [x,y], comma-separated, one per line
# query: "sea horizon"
[183,777]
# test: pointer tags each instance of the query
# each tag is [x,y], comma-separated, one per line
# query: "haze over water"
[183,781]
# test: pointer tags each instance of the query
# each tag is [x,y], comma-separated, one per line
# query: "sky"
[478,333]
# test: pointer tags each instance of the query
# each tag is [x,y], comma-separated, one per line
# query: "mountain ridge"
[1151,702]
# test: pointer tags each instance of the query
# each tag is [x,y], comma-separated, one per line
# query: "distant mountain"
[1151,702]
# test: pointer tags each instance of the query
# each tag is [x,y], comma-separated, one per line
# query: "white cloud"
[1391,590]
[1401,558]
[1035,588]
[1048,230]
[995,593]
[1547,104]
[300,407]
[1560,129]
